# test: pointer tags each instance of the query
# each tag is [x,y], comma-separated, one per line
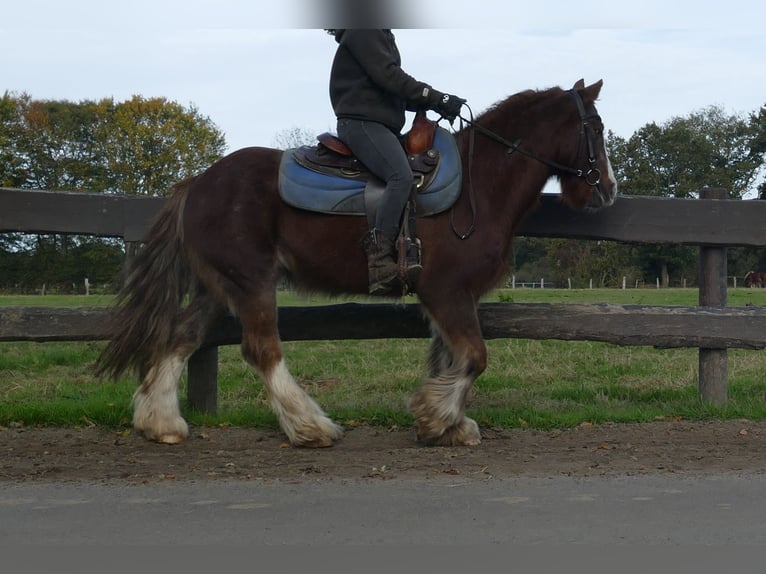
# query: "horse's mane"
[521,107]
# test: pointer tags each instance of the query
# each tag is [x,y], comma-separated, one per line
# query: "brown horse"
[224,239]
[755,279]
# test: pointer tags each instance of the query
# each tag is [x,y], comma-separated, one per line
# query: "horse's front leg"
[456,358]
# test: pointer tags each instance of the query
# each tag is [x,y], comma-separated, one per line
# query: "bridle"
[591,174]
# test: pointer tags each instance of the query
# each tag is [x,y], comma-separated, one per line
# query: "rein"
[592,175]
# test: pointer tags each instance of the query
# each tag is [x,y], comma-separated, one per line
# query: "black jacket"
[368,83]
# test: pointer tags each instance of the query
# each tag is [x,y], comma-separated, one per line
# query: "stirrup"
[409,262]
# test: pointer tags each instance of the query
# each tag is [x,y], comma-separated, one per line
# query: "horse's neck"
[511,181]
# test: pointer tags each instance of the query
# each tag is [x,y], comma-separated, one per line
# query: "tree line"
[706,148]
[139,146]
[144,145]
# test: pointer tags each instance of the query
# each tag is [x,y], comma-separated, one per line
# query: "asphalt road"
[668,509]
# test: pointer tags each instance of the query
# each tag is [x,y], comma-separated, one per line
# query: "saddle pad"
[306,189]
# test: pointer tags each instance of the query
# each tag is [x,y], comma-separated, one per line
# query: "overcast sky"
[258,71]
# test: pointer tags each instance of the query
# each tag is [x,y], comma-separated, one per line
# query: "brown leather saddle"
[332,157]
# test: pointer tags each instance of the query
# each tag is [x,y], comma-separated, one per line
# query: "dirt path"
[97,454]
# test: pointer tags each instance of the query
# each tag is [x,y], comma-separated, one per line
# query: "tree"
[11,173]
[758,123]
[604,262]
[676,159]
[146,145]
[294,137]
[138,146]
[56,144]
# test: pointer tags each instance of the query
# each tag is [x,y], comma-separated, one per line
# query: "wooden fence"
[711,222]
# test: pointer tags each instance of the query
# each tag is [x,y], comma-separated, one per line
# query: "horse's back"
[232,202]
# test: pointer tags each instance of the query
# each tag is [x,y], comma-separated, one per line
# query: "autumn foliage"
[139,146]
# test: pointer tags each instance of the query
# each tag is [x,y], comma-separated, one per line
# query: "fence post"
[713,363]
[202,381]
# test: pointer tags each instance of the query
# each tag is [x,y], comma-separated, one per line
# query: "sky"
[258,71]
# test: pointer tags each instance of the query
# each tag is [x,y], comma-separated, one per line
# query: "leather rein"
[591,175]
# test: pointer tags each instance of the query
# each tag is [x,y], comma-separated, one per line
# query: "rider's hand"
[445,104]
[449,107]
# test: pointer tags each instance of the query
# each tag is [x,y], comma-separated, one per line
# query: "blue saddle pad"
[307,189]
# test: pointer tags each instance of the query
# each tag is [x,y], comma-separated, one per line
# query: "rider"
[370,92]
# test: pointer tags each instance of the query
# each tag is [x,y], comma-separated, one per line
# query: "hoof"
[465,433]
[170,439]
[323,434]
[324,442]
[172,432]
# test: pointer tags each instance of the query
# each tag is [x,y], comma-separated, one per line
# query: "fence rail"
[711,222]
[658,326]
[632,219]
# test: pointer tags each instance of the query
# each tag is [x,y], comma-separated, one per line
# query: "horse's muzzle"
[603,195]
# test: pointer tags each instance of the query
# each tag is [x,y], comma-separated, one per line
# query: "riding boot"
[382,270]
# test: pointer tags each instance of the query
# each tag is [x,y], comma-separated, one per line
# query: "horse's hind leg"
[156,411]
[456,358]
[302,420]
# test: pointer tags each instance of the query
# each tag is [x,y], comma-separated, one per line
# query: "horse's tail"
[147,306]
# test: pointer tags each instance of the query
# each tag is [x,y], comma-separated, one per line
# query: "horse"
[755,279]
[224,240]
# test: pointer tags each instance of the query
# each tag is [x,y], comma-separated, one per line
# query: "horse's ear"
[579,85]
[592,91]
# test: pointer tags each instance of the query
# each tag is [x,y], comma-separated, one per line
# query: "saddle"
[333,157]
[419,139]
[326,178]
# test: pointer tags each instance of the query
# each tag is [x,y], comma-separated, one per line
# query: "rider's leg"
[380,150]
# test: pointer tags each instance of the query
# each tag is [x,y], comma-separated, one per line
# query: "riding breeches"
[380,150]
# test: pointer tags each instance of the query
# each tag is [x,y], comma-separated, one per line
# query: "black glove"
[448,106]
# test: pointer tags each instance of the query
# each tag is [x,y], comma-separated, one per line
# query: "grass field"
[542,384]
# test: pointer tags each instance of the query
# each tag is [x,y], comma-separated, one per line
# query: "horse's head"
[590,183]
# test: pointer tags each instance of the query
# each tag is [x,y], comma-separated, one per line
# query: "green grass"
[541,384]
[55,300]
[688,297]
[646,296]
